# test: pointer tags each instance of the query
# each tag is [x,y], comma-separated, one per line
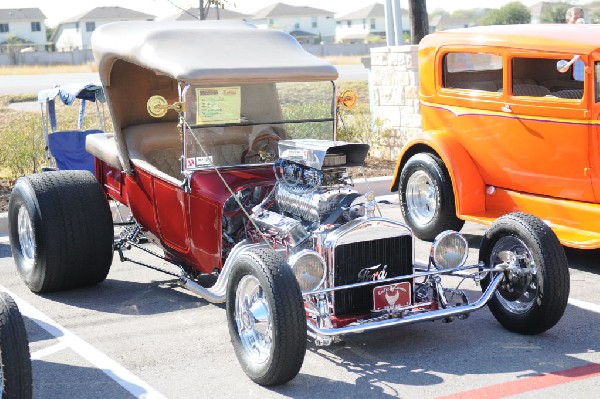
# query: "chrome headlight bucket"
[309,268]
[449,250]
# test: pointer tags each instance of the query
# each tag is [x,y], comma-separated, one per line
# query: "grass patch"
[343,59]
[16,98]
[46,69]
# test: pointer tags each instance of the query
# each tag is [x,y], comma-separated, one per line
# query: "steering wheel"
[262,149]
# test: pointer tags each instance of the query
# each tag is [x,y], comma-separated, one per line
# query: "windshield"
[229,125]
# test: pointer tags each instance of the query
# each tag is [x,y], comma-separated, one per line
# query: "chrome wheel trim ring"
[26,238]
[254,320]
[421,198]
[529,295]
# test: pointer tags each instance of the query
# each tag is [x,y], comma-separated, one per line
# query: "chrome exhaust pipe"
[218,292]
[429,316]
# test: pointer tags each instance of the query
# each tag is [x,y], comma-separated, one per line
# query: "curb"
[3,224]
[380,185]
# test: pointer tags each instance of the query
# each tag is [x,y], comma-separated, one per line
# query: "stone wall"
[394,92]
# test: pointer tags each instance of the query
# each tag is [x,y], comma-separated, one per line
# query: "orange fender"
[467,184]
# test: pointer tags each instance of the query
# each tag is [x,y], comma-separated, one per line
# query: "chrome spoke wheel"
[421,197]
[519,290]
[253,319]
[26,237]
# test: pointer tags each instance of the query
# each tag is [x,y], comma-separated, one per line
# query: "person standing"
[574,15]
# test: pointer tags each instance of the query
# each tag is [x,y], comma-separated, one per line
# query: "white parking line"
[42,353]
[115,371]
[585,305]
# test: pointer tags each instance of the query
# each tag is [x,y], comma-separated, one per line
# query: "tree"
[204,6]
[419,23]
[512,13]
[554,13]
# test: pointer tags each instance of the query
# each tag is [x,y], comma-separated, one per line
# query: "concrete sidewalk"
[380,185]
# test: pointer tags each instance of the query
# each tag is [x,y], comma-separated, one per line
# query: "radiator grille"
[350,259]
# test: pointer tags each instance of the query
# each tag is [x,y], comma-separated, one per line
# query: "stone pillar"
[394,92]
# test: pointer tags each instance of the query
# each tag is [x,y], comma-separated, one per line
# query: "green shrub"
[21,143]
[355,125]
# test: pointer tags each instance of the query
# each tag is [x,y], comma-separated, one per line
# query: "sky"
[58,10]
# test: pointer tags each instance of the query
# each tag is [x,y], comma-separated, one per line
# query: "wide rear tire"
[60,230]
[15,362]
[527,303]
[266,317]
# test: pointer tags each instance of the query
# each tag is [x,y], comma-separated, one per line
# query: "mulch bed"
[5,189]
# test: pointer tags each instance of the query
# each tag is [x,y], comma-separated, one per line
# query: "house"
[365,25]
[307,24]
[76,32]
[22,27]
[445,21]
[213,13]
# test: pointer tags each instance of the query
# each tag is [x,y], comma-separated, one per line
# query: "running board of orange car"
[577,224]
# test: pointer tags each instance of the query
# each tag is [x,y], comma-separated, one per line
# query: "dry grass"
[343,59]
[46,69]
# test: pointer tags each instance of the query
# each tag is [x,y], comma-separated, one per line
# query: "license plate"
[391,296]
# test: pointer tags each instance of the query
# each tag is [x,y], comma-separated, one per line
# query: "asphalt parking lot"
[139,335]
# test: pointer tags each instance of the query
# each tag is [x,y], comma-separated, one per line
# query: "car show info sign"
[218,105]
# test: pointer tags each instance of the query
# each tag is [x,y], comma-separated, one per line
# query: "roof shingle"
[21,14]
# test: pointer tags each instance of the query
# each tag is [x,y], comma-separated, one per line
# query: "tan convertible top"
[207,52]
[137,60]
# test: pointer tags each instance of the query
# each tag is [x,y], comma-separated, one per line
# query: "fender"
[467,183]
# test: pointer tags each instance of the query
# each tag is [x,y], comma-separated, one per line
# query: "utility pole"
[419,21]
[201,10]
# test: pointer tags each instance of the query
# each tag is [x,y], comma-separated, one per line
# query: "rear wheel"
[534,293]
[15,363]
[60,230]
[266,318]
[427,198]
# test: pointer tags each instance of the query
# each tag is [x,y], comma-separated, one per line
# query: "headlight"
[309,269]
[449,250]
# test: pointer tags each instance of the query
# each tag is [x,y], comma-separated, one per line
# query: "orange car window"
[473,71]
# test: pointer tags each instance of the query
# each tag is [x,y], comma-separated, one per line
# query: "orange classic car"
[510,123]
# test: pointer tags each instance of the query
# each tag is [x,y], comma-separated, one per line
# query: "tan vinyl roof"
[207,52]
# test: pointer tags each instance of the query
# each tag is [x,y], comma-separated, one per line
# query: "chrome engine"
[313,190]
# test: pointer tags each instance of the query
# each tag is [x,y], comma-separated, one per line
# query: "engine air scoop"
[321,154]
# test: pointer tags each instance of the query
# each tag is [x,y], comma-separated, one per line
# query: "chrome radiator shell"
[360,244]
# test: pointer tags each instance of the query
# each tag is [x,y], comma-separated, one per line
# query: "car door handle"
[506,108]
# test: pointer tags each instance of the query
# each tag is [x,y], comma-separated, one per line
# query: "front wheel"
[534,293]
[266,318]
[15,363]
[426,197]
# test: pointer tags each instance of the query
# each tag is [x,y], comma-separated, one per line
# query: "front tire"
[532,301]
[266,318]
[60,230]
[427,198]
[15,362]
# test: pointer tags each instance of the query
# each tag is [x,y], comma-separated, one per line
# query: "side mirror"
[562,66]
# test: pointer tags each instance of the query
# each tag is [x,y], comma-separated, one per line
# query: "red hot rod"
[224,150]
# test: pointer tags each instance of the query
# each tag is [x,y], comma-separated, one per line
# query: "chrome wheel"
[253,319]
[519,290]
[421,197]
[26,237]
